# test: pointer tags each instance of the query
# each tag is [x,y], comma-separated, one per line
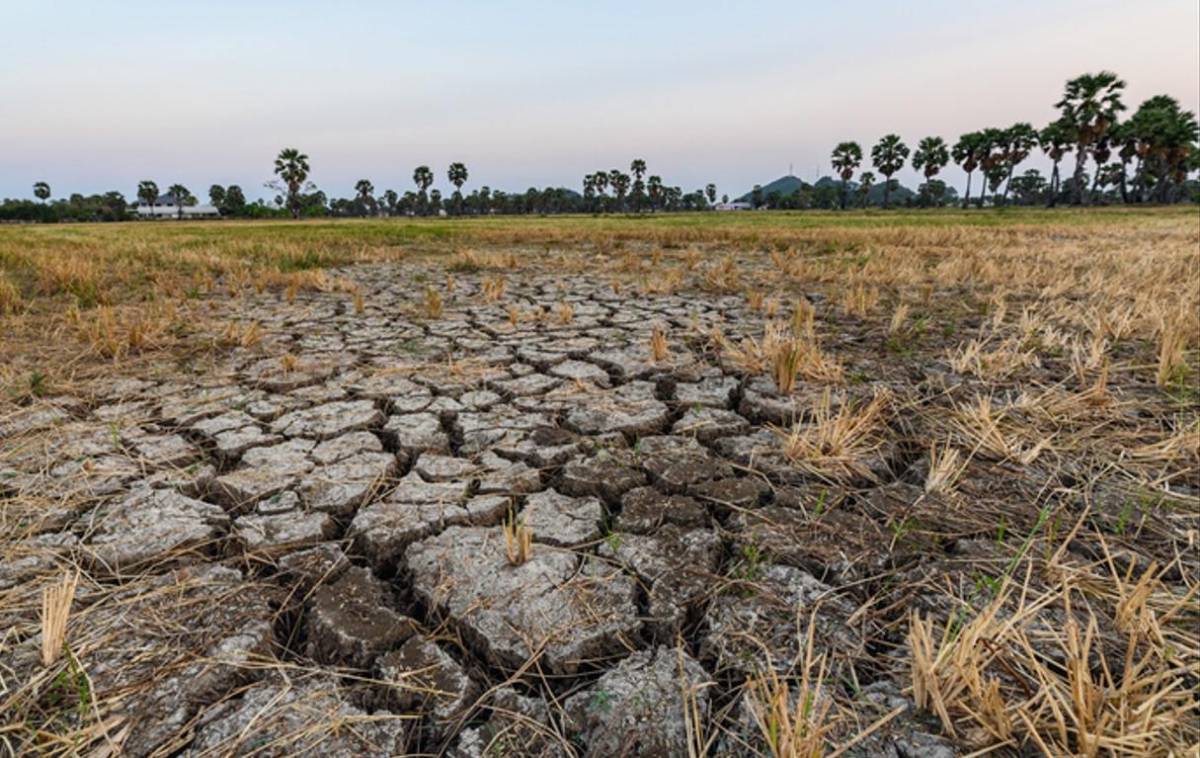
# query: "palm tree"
[181,195]
[865,181]
[1090,105]
[991,161]
[966,153]
[620,185]
[216,196]
[600,179]
[654,188]
[931,156]
[638,168]
[390,198]
[147,192]
[889,156]
[710,191]
[1018,142]
[457,174]
[41,191]
[846,158]
[423,178]
[1055,141]
[291,166]
[366,194]
[589,191]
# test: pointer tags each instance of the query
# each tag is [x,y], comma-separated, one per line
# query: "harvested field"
[869,484]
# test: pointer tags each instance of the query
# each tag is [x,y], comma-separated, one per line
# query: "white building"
[734,206]
[167,207]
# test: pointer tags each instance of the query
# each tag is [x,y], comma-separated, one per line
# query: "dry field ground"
[908,484]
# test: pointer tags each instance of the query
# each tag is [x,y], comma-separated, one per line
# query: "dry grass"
[660,349]
[793,720]
[783,356]
[837,443]
[999,678]
[56,609]
[433,303]
[518,541]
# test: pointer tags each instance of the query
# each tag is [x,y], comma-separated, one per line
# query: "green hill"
[784,185]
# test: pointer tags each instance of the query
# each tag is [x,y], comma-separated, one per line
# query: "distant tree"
[865,182]
[435,201]
[725,199]
[1055,141]
[638,168]
[1089,107]
[846,158]
[365,199]
[756,196]
[423,178]
[1018,142]
[966,153]
[889,156]
[235,201]
[41,191]
[457,174]
[390,199]
[216,196]
[710,191]
[1164,140]
[291,166]
[180,194]
[1029,187]
[147,192]
[620,185]
[589,191]
[930,157]
[654,187]
[991,161]
[600,179]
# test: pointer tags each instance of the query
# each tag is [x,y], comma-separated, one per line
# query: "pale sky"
[96,96]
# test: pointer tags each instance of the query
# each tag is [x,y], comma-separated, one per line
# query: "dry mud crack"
[305,550]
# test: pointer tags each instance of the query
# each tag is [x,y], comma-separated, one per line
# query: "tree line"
[1144,158]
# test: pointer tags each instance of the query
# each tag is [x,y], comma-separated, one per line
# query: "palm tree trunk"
[1139,180]
[1008,183]
[1124,189]
[1077,184]
[967,194]
[887,189]
[845,189]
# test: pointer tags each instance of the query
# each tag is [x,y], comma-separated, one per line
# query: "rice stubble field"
[901,484]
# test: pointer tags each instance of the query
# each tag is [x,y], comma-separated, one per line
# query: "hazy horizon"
[539,94]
